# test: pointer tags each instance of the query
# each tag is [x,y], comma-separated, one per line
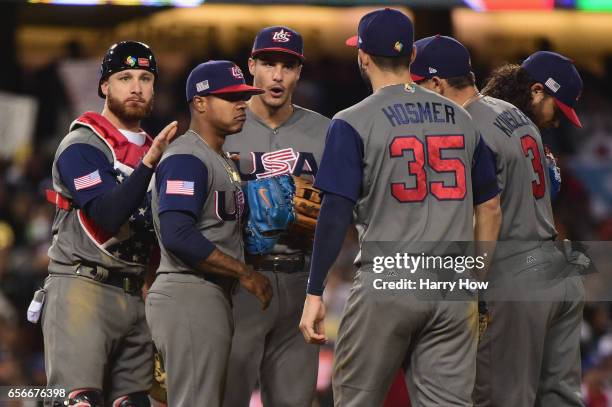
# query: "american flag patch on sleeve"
[175,187]
[88,180]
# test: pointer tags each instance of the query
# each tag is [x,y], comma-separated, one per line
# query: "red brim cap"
[284,50]
[353,41]
[416,77]
[569,112]
[241,88]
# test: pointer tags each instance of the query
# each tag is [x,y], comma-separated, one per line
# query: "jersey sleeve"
[484,176]
[86,172]
[334,219]
[341,168]
[182,184]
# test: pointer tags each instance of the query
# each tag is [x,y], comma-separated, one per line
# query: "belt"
[129,283]
[278,263]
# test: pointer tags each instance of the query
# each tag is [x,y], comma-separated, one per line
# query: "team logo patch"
[552,85]
[130,61]
[143,62]
[202,86]
[432,70]
[178,187]
[281,36]
[237,73]
[398,46]
[410,87]
[87,181]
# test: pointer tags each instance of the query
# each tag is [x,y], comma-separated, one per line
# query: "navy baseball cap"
[279,39]
[384,32]
[440,56]
[217,77]
[560,79]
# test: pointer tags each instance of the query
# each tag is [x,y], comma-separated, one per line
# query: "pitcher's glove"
[307,205]
[270,202]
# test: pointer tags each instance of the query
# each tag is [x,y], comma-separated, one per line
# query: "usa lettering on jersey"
[298,163]
[277,162]
[88,180]
[221,203]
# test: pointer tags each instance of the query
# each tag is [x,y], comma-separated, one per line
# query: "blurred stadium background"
[50,56]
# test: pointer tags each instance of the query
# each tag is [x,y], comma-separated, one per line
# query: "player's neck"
[273,117]
[209,134]
[382,79]
[121,124]
[465,96]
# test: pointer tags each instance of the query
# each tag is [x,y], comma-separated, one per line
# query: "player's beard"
[127,113]
[364,75]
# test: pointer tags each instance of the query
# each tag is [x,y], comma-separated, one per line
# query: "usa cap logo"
[398,46]
[237,73]
[281,36]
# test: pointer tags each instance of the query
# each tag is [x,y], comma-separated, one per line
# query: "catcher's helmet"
[126,55]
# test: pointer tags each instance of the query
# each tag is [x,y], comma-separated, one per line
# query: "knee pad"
[82,398]
[140,399]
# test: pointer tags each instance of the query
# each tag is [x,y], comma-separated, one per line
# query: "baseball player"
[278,138]
[97,344]
[413,169]
[197,211]
[545,87]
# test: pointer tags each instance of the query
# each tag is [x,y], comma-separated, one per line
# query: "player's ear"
[437,84]
[104,87]
[252,63]
[537,92]
[199,104]
[363,57]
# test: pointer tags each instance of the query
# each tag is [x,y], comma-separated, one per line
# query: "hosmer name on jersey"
[413,113]
[510,120]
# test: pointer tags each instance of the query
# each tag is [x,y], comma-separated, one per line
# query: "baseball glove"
[307,205]
[158,390]
[270,202]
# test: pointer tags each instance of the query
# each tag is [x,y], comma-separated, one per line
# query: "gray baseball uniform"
[93,322]
[267,345]
[189,312]
[547,373]
[419,157]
